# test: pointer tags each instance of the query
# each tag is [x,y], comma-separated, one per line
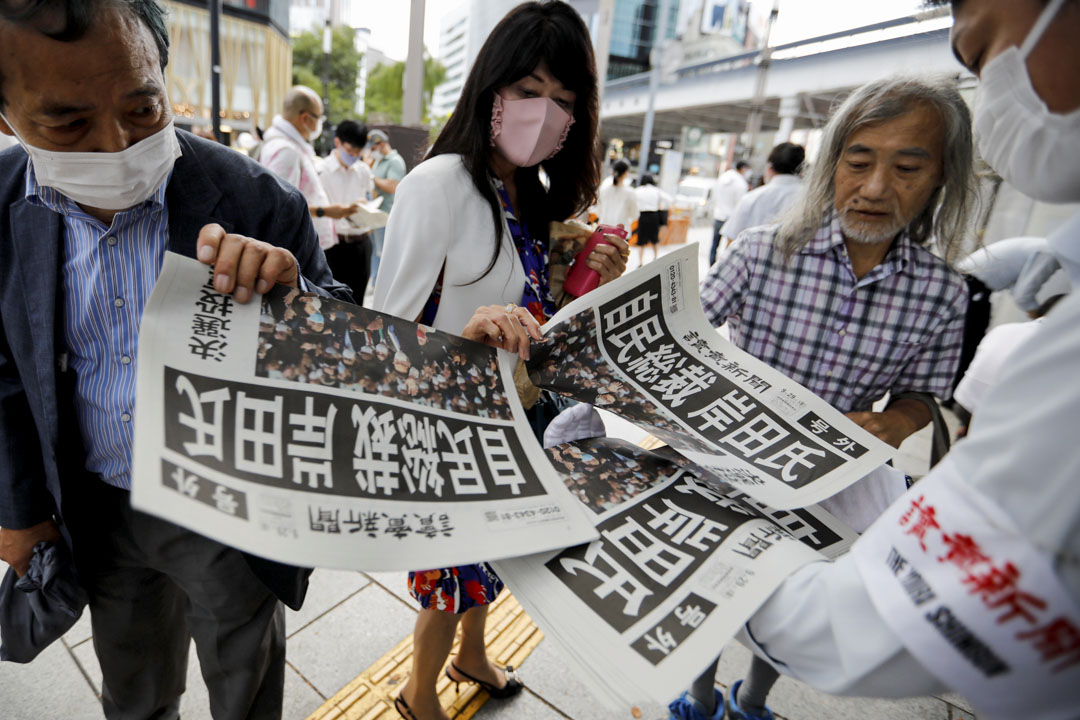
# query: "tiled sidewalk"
[349,621]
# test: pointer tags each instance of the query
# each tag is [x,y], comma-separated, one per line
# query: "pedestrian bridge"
[804,79]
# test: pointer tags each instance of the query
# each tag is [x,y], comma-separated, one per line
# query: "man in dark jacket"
[84,224]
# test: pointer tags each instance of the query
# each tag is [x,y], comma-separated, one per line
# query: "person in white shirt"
[767,203]
[616,203]
[287,151]
[730,188]
[909,611]
[348,180]
[651,202]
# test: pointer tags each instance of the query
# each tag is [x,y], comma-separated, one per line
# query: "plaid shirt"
[848,340]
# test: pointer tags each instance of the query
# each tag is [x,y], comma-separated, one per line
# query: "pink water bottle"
[582,278]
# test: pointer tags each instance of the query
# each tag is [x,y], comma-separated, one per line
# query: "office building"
[463,30]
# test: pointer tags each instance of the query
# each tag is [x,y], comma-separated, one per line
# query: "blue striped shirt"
[108,273]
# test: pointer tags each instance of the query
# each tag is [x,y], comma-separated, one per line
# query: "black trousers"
[350,263]
[717,234]
[154,587]
[976,320]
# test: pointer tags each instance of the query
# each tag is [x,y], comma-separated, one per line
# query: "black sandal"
[512,687]
[403,708]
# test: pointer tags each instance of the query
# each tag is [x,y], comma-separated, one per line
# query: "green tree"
[384,91]
[384,88]
[344,66]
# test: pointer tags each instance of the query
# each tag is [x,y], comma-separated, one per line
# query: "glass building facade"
[633,34]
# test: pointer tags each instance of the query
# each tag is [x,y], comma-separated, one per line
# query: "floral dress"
[457,589]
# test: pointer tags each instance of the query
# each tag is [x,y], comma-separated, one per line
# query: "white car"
[693,195]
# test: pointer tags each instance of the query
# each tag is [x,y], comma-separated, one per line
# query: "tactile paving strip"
[511,636]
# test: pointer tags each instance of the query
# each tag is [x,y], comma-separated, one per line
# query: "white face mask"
[1033,149]
[318,129]
[107,180]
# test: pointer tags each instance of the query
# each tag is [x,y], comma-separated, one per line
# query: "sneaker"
[686,707]
[734,713]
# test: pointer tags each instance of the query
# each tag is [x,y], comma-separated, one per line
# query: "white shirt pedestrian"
[292,158]
[617,205]
[764,205]
[345,185]
[729,189]
[651,198]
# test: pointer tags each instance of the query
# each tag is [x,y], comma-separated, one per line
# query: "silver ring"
[510,308]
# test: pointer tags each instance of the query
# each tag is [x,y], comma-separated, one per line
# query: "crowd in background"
[307,339]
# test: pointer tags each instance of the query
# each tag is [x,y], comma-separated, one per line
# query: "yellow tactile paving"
[651,442]
[511,636]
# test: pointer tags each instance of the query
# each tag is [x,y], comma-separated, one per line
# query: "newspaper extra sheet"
[318,433]
[679,566]
[642,348]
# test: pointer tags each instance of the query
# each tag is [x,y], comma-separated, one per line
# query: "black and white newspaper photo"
[679,567]
[642,348]
[319,433]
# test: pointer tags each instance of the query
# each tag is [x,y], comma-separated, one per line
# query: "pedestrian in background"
[730,188]
[347,181]
[767,203]
[287,151]
[653,204]
[616,203]
[388,168]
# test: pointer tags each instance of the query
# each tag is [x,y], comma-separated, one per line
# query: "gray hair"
[951,206]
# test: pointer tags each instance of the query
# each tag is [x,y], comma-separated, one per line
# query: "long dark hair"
[552,33]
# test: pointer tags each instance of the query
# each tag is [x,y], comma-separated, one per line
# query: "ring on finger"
[510,308]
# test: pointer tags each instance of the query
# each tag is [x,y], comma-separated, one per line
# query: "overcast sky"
[389,19]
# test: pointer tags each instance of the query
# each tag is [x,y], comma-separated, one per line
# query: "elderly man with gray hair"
[844,296]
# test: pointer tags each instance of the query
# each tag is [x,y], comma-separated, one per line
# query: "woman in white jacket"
[469,229]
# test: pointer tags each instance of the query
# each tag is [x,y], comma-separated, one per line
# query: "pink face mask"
[530,130]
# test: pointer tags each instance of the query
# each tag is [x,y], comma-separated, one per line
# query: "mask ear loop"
[496,118]
[562,138]
[14,131]
[1037,30]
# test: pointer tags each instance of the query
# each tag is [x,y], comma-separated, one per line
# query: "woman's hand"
[503,326]
[609,260]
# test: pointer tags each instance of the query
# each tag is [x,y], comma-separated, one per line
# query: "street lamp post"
[605,17]
[654,83]
[215,69]
[327,45]
[757,107]
[361,37]
[413,101]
